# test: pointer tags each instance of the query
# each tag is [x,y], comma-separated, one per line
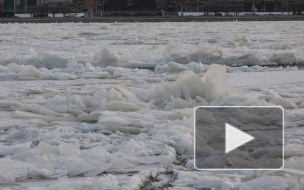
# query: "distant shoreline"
[155,19]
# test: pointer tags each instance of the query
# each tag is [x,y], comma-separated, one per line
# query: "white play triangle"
[235,138]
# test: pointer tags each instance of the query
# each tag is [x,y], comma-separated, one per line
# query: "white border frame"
[225,169]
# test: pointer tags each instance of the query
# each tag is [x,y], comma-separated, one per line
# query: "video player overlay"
[239,138]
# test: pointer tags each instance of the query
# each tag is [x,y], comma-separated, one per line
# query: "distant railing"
[132,13]
[60,1]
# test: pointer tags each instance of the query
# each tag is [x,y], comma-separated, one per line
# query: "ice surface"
[173,67]
[268,182]
[285,103]
[36,59]
[283,58]
[105,44]
[110,106]
[281,46]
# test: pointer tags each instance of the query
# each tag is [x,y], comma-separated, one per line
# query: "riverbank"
[155,19]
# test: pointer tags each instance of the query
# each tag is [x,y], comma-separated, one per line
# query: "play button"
[235,138]
[238,138]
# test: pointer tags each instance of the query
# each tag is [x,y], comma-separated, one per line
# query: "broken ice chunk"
[214,82]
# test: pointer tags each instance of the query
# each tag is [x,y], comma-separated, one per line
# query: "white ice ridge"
[211,86]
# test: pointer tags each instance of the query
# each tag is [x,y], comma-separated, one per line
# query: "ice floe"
[110,106]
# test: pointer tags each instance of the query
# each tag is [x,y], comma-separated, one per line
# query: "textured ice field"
[110,106]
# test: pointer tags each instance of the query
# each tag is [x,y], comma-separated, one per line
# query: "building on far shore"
[174,6]
[28,6]
[150,7]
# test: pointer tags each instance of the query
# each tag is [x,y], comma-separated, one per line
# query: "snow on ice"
[110,106]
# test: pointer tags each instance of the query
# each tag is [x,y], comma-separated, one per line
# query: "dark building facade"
[20,6]
[205,5]
[130,5]
[8,6]
[28,6]
[167,6]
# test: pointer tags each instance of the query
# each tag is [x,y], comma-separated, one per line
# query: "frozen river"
[110,106]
